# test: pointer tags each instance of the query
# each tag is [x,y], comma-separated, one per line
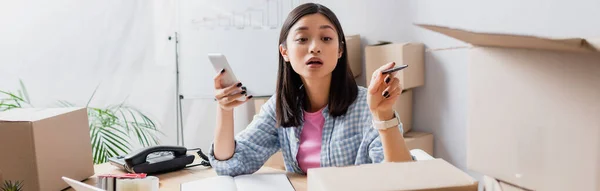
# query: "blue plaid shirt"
[347,140]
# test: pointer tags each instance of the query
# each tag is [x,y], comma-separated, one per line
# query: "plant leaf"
[25,94]
[91,97]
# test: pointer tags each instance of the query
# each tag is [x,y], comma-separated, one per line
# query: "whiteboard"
[245,31]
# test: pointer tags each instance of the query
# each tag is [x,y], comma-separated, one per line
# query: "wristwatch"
[394,122]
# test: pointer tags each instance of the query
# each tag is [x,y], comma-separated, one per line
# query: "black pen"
[394,69]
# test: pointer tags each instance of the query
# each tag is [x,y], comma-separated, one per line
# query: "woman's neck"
[317,91]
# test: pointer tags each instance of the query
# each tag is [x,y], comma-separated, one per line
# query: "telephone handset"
[157,159]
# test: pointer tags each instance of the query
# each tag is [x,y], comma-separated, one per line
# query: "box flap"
[419,175]
[33,114]
[514,41]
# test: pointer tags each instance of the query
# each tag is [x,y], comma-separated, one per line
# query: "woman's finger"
[393,84]
[221,93]
[378,78]
[394,94]
[236,103]
[217,79]
[231,98]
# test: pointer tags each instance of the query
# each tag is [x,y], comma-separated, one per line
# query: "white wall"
[64,49]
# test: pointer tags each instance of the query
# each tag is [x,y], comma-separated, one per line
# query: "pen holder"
[149,183]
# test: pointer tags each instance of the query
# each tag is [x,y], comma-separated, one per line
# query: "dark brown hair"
[290,96]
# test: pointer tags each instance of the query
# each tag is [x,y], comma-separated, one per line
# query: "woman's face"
[312,47]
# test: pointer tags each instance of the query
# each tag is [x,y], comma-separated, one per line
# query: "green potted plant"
[12,186]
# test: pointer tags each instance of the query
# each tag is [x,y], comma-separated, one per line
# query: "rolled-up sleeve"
[375,147]
[253,146]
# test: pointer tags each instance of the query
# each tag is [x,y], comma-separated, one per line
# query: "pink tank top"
[309,152]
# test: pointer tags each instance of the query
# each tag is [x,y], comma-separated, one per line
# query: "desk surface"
[173,180]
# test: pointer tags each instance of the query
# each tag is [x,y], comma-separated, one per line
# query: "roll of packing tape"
[149,183]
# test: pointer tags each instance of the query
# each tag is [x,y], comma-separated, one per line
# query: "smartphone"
[397,68]
[219,62]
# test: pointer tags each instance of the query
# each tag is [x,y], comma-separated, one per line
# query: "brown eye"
[301,39]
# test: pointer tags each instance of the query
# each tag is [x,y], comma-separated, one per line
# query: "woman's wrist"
[225,111]
[383,115]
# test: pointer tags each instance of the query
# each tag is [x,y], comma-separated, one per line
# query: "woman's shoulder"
[362,92]
[361,100]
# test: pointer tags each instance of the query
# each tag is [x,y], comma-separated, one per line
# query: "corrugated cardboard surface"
[419,140]
[404,108]
[258,103]
[355,57]
[411,54]
[50,138]
[534,115]
[18,156]
[515,41]
[54,143]
[533,110]
[434,174]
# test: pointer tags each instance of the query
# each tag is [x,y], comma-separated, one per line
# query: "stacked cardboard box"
[354,54]
[39,146]
[411,54]
[534,110]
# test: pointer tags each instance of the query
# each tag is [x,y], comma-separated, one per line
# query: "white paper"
[219,183]
[263,182]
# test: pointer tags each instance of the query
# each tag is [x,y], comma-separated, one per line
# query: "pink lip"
[314,59]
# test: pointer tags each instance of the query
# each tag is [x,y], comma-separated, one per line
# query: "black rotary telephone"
[158,159]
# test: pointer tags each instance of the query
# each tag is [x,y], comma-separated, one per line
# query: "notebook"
[251,182]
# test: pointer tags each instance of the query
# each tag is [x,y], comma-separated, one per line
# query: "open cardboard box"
[435,174]
[39,146]
[533,109]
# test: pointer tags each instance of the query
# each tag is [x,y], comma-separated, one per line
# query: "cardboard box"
[533,110]
[354,54]
[411,54]
[39,146]
[435,174]
[419,140]
[404,108]
[258,103]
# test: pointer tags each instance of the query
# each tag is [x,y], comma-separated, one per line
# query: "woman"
[318,117]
